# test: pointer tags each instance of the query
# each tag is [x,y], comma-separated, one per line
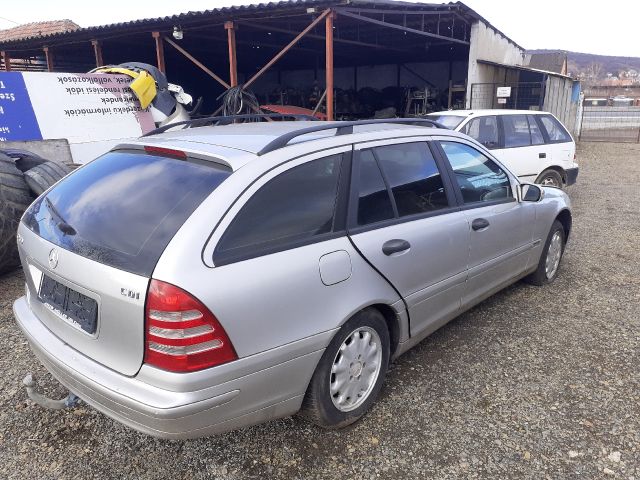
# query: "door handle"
[542,155]
[395,246]
[480,223]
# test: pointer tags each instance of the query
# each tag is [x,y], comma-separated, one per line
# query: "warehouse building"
[347,58]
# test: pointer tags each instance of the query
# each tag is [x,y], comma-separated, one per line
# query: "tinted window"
[480,179]
[555,130]
[295,206]
[536,134]
[124,207]
[516,131]
[374,203]
[413,176]
[484,130]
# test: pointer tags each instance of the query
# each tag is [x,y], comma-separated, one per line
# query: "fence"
[610,124]
[524,96]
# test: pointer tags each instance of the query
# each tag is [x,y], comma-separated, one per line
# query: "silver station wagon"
[196,281]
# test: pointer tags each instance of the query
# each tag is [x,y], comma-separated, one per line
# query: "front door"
[501,227]
[404,221]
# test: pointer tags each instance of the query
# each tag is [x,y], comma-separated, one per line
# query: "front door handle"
[542,155]
[395,246]
[480,224]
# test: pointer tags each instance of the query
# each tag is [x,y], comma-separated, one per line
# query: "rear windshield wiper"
[62,225]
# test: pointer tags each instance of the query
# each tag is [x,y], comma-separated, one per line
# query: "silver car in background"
[193,282]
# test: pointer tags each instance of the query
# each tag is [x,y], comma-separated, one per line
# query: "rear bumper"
[572,175]
[176,406]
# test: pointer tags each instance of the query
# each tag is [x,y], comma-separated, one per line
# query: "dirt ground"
[533,383]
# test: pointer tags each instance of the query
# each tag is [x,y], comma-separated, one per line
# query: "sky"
[609,28]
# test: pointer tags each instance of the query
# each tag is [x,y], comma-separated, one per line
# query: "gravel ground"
[533,383]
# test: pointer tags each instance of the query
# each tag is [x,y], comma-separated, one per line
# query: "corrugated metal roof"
[230,13]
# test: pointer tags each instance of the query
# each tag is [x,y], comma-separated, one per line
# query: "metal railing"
[523,96]
[610,124]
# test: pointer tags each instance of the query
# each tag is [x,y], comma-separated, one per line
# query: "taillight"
[182,334]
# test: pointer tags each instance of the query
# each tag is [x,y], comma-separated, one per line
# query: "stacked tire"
[23,177]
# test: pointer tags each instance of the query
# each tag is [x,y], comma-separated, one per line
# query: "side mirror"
[531,193]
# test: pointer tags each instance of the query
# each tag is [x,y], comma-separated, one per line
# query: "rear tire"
[14,200]
[550,258]
[350,373]
[43,176]
[550,178]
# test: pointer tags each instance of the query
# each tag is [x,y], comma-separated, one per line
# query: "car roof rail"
[228,119]
[343,128]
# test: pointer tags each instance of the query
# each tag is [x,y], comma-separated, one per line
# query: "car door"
[558,140]
[524,151]
[403,219]
[501,236]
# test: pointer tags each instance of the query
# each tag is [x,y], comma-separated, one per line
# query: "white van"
[533,145]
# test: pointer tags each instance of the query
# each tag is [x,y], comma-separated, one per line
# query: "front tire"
[350,373]
[549,263]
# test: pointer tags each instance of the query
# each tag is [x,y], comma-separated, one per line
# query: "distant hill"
[580,62]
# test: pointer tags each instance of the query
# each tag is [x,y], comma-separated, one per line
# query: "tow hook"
[70,401]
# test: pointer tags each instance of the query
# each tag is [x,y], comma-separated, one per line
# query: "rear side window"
[484,130]
[413,176]
[480,179]
[554,129]
[536,134]
[288,211]
[516,131]
[374,203]
[123,208]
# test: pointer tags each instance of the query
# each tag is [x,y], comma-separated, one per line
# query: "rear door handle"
[542,155]
[395,246]
[480,223]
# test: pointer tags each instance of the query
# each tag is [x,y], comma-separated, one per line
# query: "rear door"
[558,140]
[523,151]
[501,227]
[404,221]
[91,243]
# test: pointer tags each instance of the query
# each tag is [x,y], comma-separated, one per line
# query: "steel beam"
[233,64]
[399,27]
[196,62]
[159,51]
[6,58]
[329,63]
[355,43]
[49,57]
[287,48]
[97,50]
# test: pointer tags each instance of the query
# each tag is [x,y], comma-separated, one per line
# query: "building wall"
[487,44]
[562,99]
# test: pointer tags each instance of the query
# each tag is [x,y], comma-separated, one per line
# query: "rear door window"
[484,130]
[374,202]
[123,208]
[290,210]
[413,176]
[554,129]
[516,131]
[536,134]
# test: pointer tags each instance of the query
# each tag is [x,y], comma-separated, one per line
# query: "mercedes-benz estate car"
[196,281]
[534,145]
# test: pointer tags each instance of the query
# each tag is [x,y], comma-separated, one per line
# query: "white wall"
[487,44]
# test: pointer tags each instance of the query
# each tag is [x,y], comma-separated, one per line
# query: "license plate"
[76,308]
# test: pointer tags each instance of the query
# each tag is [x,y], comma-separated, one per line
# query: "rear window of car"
[449,121]
[123,208]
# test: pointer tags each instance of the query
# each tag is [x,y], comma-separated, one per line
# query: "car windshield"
[123,208]
[449,121]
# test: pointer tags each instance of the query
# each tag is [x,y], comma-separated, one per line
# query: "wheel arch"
[556,168]
[566,219]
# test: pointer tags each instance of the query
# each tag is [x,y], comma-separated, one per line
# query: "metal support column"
[6,58]
[329,64]
[49,57]
[159,51]
[97,50]
[233,65]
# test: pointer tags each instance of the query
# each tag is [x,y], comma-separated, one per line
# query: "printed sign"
[503,92]
[502,100]
[92,111]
